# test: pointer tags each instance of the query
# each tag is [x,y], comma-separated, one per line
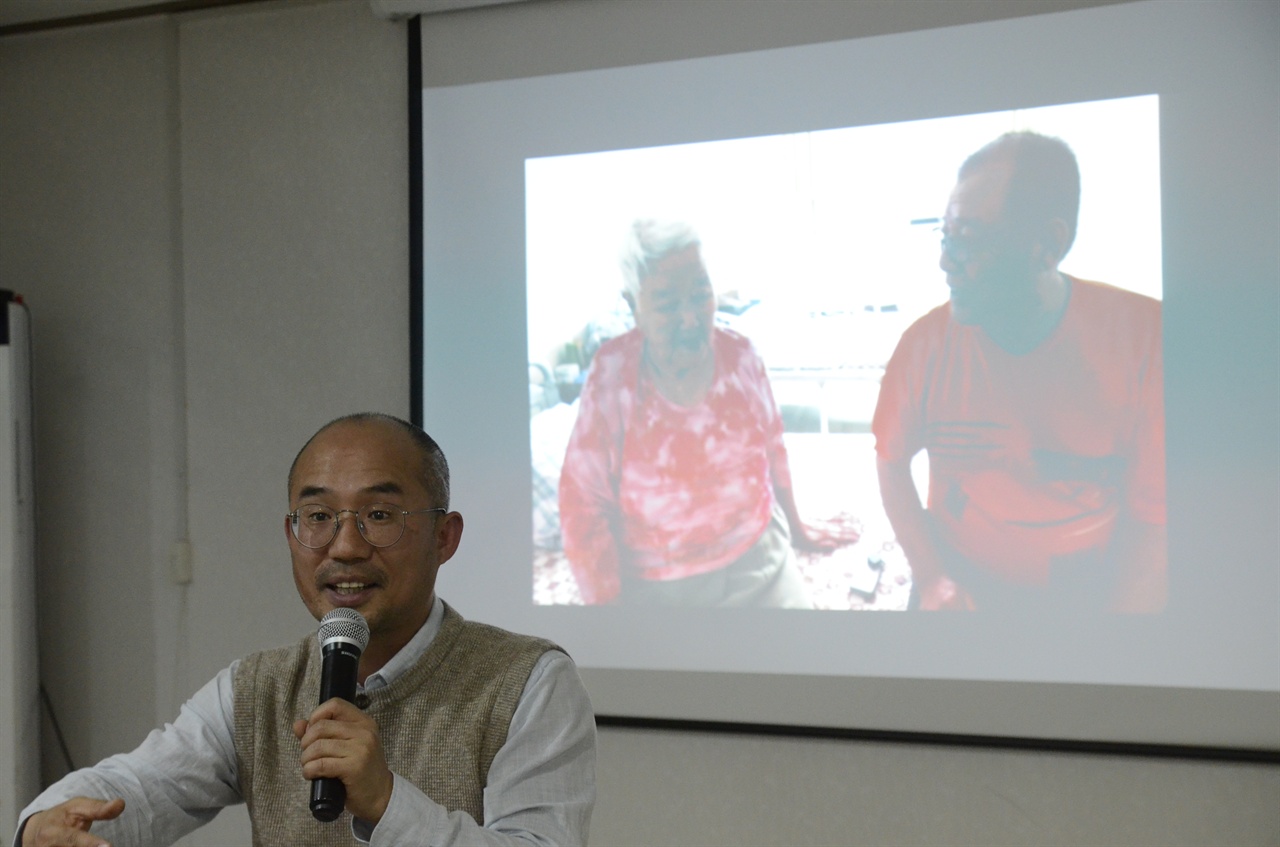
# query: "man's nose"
[948,264]
[348,543]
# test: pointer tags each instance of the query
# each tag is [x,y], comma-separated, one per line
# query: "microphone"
[343,636]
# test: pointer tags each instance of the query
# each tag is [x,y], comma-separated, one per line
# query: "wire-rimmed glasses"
[381,524]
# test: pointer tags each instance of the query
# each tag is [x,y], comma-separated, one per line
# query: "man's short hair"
[1045,182]
[650,240]
[435,468]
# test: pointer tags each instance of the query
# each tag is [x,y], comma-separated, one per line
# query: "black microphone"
[343,636]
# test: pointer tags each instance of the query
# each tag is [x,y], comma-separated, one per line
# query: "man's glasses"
[381,524]
[967,244]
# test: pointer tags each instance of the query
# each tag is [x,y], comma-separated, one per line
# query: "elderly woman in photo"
[675,488]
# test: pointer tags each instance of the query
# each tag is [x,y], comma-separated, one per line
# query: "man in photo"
[1038,398]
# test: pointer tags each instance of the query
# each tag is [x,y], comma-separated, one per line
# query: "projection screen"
[816,178]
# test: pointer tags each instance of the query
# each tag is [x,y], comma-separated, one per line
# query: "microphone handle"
[338,673]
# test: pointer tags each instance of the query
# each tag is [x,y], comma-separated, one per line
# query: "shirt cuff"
[409,814]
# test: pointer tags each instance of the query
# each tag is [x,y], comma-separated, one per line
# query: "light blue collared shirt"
[541,786]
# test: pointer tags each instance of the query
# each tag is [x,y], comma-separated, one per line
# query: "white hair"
[650,240]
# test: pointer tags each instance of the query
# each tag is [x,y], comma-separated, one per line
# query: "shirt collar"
[409,653]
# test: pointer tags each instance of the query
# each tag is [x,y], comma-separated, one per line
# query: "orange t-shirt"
[1033,456]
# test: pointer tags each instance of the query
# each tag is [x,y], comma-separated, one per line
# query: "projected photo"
[859,369]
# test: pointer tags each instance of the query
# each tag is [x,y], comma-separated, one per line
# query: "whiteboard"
[19,687]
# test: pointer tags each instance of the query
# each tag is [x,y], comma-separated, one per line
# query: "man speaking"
[459,733]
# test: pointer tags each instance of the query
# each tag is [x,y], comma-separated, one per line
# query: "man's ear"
[631,302]
[448,536]
[1056,241]
[1060,239]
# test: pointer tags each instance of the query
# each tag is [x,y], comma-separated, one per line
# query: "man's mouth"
[348,591]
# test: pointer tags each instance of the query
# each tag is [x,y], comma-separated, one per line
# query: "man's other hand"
[67,824]
[341,741]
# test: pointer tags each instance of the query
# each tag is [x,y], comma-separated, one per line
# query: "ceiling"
[29,15]
[15,12]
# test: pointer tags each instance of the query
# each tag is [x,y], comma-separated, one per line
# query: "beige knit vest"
[441,723]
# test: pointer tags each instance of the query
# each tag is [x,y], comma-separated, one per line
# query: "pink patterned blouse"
[661,491]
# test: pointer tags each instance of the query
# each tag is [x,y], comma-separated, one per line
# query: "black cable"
[57,730]
[416,247]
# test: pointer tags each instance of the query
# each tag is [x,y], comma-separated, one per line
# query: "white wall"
[208,214]
[661,788]
[86,232]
